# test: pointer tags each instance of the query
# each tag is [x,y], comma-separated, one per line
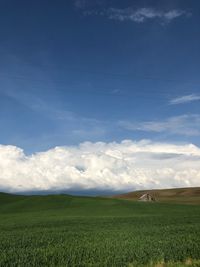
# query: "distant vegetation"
[63,231]
[177,195]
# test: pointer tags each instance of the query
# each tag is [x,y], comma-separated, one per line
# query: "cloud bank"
[112,166]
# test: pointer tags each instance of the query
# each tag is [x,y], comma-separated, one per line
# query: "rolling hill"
[178,195]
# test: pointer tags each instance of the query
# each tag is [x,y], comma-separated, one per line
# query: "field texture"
[80,231]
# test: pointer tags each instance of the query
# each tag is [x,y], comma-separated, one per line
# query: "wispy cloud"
[138,15]
[142,14]
[184,99]
[185,125]
[68,122]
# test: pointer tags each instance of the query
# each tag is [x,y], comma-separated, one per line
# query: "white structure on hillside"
[147,198]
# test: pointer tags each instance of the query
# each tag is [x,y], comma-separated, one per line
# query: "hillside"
[178,195]
[66,205]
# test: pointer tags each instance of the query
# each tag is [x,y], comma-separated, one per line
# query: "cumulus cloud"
[184,99]
[113,166]
[186,125]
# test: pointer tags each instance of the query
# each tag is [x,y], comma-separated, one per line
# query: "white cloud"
[142,14]
[124,166]
[184,99]
[187,125]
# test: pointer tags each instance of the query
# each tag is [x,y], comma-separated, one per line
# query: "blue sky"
[75,71]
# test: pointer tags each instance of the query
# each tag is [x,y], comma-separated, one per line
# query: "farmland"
[62,230]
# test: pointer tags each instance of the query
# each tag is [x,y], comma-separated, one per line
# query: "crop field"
[81,231]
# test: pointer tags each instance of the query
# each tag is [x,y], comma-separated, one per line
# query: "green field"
[81,231]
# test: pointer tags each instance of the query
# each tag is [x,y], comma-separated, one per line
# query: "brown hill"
[178,195]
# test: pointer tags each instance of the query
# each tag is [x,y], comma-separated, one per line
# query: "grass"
[81,231]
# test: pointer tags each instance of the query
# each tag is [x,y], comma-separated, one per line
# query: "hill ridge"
[186,195]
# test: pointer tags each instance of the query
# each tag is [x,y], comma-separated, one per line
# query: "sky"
[99,95]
